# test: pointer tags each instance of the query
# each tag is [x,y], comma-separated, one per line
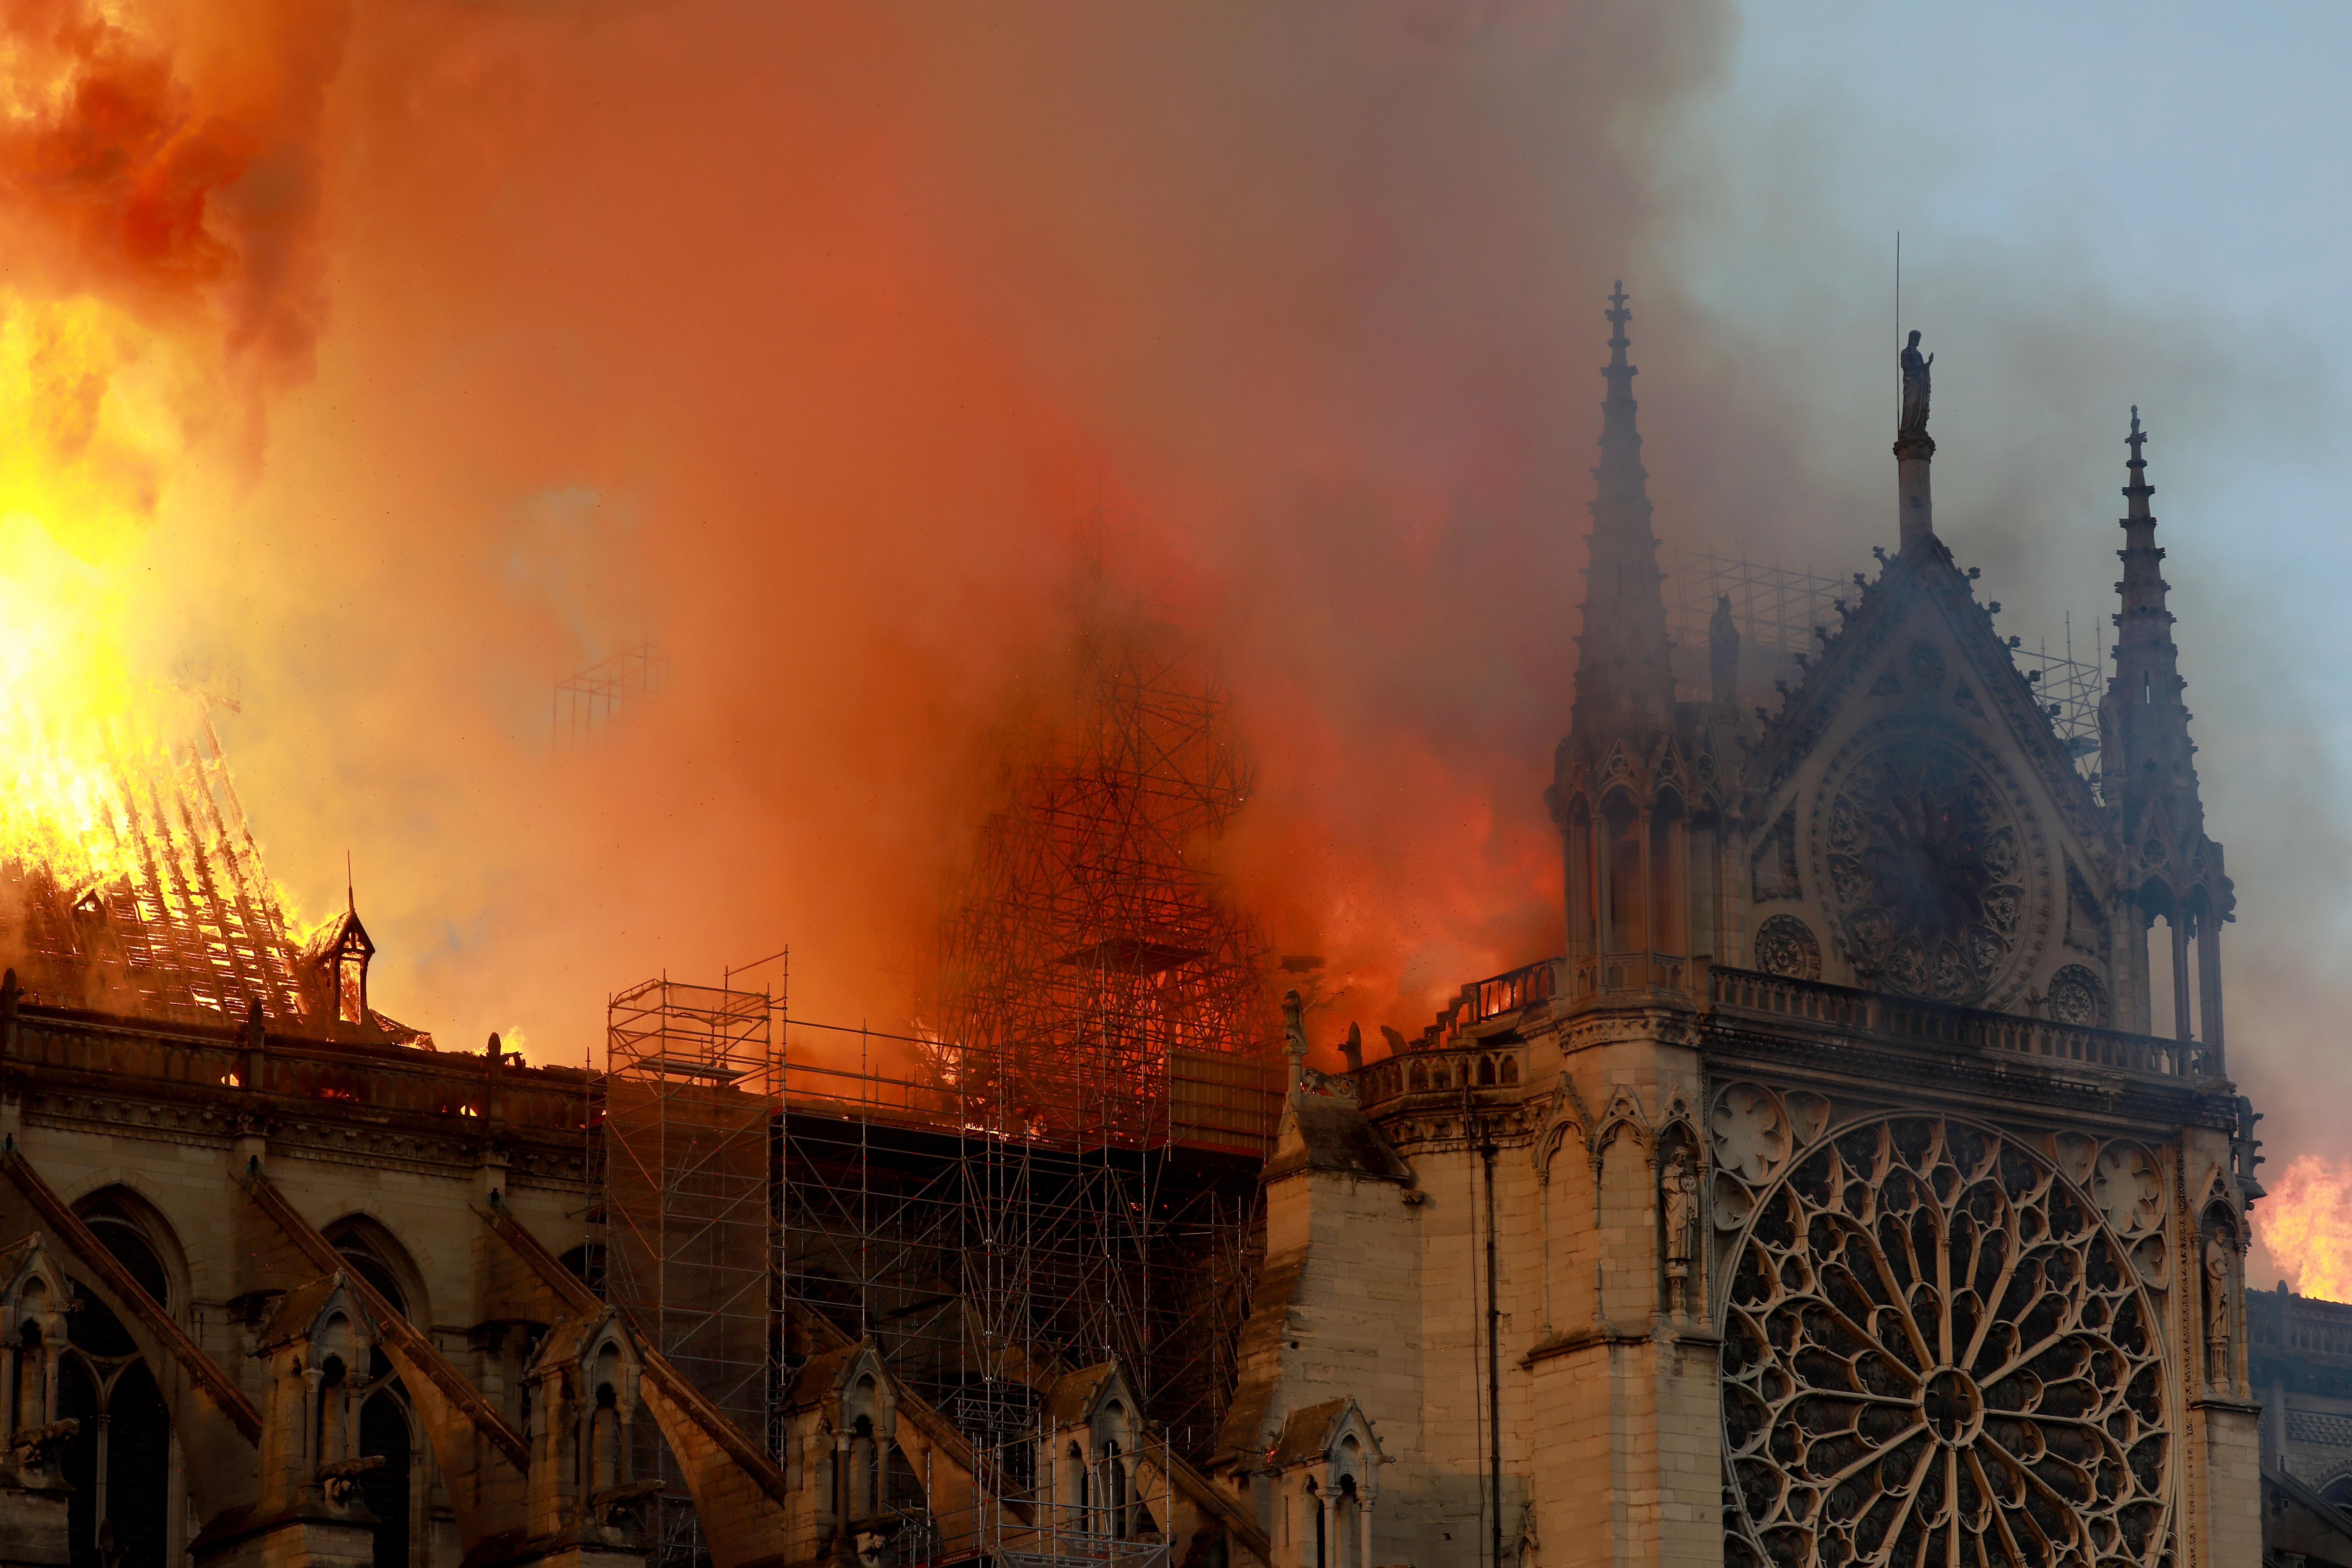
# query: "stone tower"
[1827,1201]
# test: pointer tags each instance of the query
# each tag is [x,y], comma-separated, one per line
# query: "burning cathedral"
[1833,1199]
[1861,1185]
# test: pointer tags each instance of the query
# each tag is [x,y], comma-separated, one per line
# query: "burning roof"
[148,900]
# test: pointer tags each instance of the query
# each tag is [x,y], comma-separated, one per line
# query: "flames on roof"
[180,922]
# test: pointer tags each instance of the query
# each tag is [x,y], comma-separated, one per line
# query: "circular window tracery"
[1935,1355]
[2077,995]
[1785,945]
[1930,868]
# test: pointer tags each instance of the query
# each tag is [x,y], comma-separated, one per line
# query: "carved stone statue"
[1678,1192]
[36,1447]
[1294,1038]
[1913,421]
[2217,1308]
[1294,1023]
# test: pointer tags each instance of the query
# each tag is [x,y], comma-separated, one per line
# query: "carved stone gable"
[1919,814]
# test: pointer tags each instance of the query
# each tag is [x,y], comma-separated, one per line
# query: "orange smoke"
[2305,1227]
[379,366]
[795,340]
[391,363]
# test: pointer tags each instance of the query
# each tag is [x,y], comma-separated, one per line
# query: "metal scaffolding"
[680,1153]
[594,699]
[1086,945]
[1779,607]
[1058,1170]
[983,1263]
[1774,606]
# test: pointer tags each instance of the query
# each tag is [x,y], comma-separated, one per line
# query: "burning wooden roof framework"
[187,925]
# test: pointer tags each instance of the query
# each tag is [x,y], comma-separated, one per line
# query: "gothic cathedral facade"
[1833,1199]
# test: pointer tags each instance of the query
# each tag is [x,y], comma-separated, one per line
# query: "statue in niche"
[1914,389]
[2217,1308]
[1678,1195]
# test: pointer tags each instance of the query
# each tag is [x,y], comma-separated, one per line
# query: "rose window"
[2078,997]
[1936,1354]
[1926,870]
[1785,945]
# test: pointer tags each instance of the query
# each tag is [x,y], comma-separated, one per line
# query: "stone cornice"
[2002,1084]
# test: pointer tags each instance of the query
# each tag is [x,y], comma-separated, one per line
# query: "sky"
[376,367]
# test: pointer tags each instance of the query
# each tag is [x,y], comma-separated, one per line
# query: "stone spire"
[2145,759]
[1624,673]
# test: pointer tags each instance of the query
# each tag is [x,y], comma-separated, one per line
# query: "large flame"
[92,738]
[73,735]
[2306,1224]
[142,318]
[129,878]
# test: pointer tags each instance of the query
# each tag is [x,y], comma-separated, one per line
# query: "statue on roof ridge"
[1913,421]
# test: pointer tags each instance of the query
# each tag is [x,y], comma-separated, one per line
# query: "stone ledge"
[1585,1338]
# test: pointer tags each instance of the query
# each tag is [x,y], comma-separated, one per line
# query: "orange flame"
[156,291]
[95,748]
[2306,1224]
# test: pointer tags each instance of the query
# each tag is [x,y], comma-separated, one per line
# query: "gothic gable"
[1915,818]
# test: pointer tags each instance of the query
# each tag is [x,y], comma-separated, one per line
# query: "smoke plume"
[799,341]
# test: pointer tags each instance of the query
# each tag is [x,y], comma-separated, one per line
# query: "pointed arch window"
[385,1429]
